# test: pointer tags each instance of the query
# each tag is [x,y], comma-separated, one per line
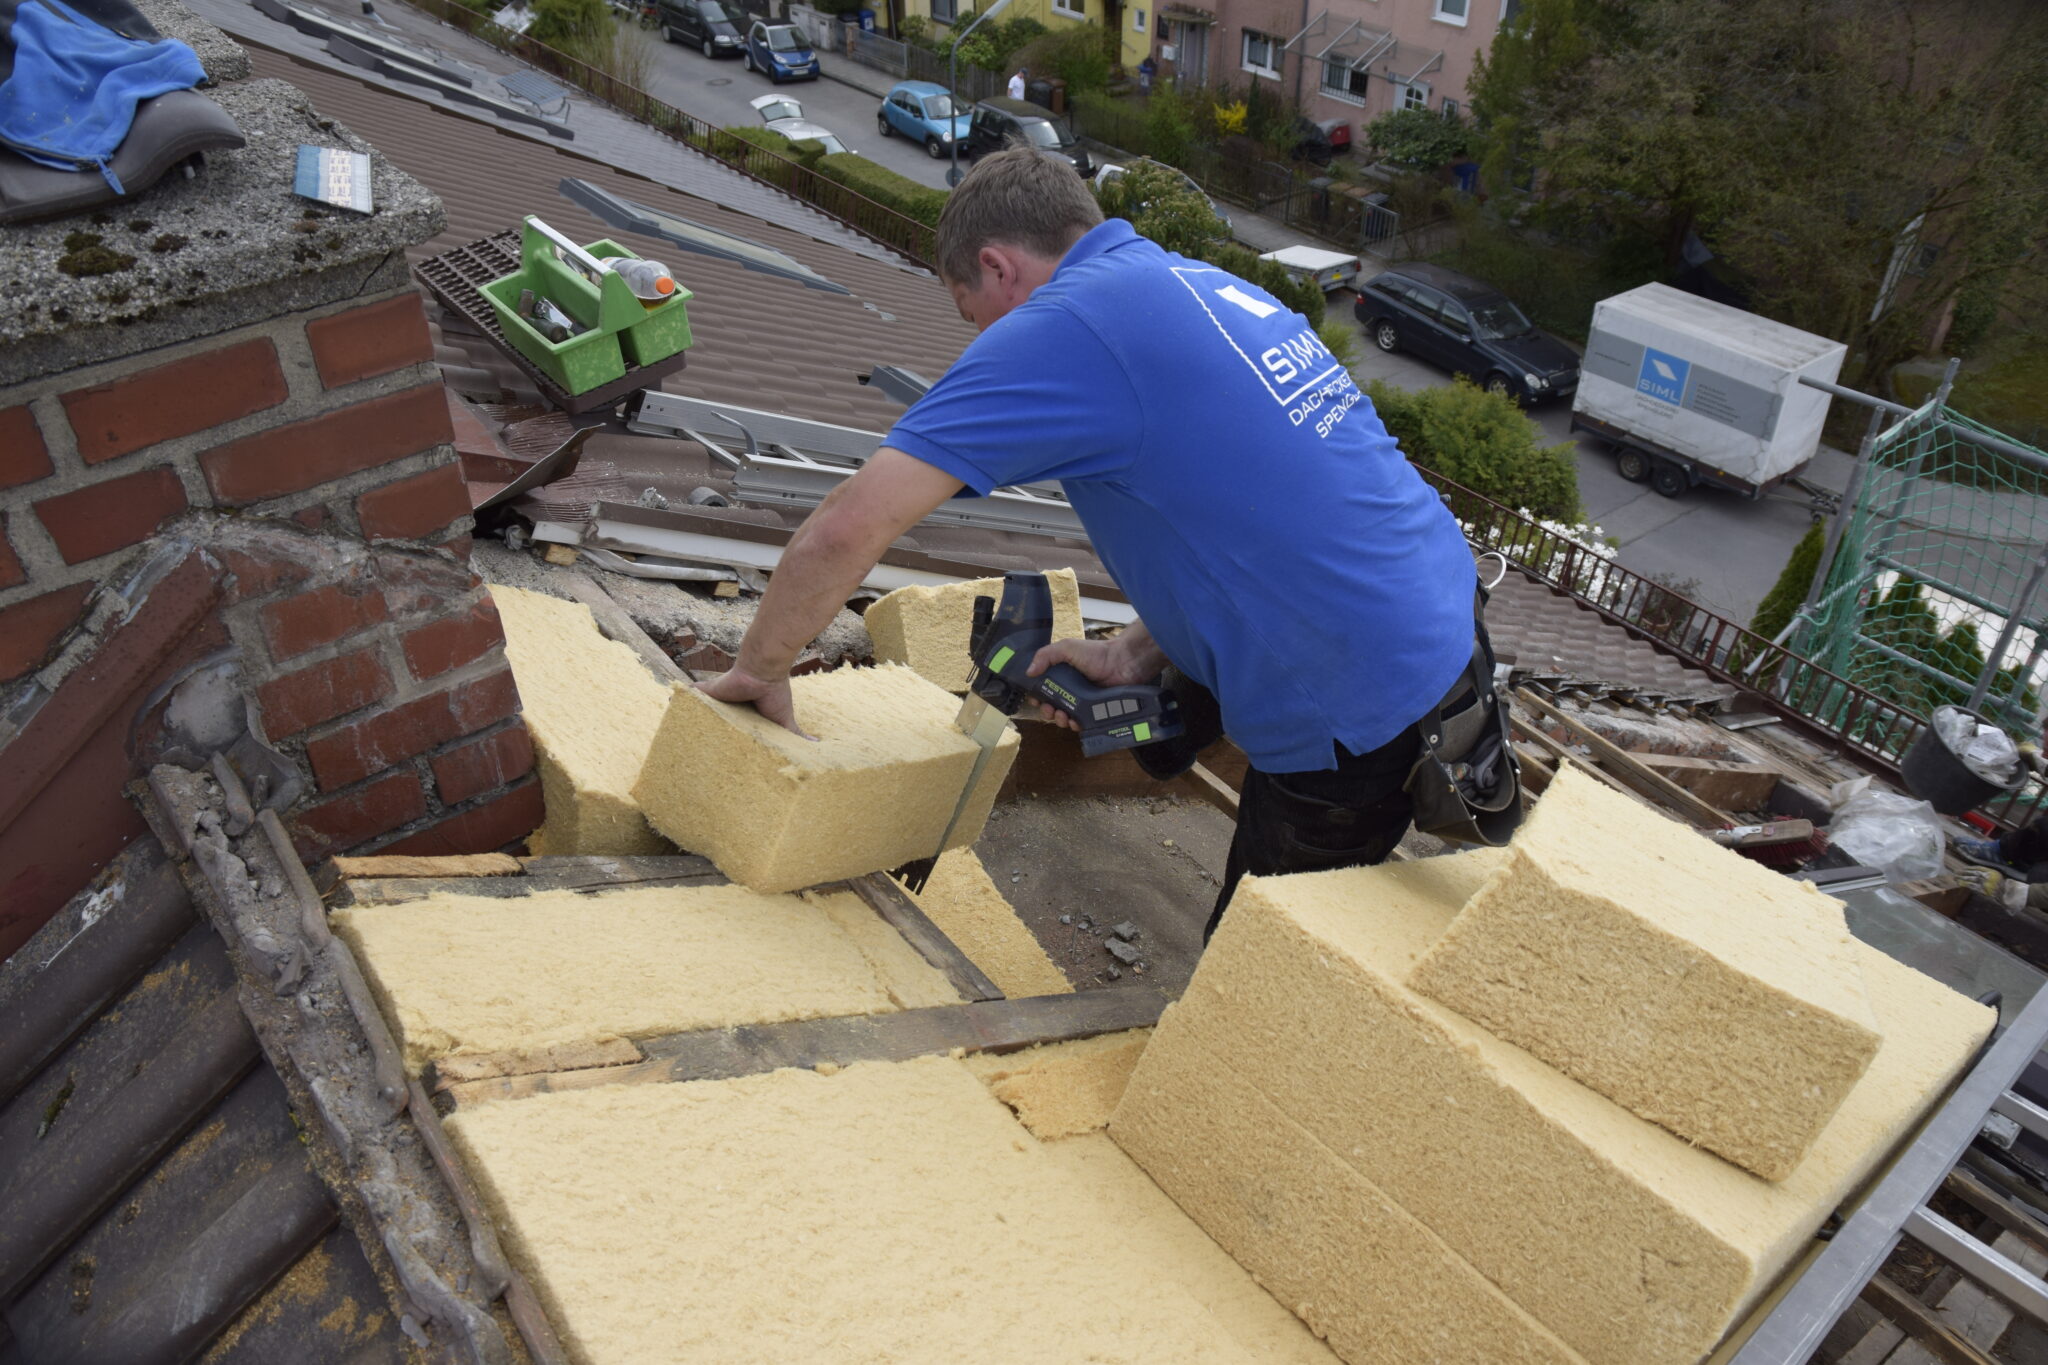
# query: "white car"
[786,116]
[1331,270]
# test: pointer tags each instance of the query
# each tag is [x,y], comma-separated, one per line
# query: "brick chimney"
[231,519]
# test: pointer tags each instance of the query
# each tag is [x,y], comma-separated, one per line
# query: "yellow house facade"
[1133,20]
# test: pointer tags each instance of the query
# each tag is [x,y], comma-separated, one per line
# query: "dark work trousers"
[1348,816]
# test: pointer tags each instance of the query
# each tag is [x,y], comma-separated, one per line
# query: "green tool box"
[622,330]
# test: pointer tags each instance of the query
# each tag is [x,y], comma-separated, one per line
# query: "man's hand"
[770,696]
[1127,658]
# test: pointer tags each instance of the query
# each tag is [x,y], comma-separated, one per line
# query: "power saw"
[1006,636]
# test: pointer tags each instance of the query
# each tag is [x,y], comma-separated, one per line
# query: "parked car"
[782,51]
[925,112]
[1003,122]
[1110,171]
[703,24]
[785,116]
[1468,328]
[1331,270]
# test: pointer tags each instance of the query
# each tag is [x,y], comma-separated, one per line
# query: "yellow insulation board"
[592,709]
[1698,989]
[1630,1245]
[928,628]
[1064,1089]
[969,909]
[494,974]
[871,790]
[888,1212]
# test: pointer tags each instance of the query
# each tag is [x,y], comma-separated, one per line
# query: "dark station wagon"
[1467,327]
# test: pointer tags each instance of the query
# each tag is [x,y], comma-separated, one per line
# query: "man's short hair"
[1019,197]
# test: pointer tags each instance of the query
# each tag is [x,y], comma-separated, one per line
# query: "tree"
[1855,163]
[1788,594]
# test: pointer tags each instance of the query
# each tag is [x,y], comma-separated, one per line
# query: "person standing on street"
[1017,84]
[1314,595]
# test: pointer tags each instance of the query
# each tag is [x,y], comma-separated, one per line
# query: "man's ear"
[998,264]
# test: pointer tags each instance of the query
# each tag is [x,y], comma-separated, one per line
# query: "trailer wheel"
[1631,464]
[1668,479]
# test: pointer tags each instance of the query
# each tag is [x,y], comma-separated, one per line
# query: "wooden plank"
[1729,786]
[1968,1313]
[1563,756]
[1211,788]
[1627,768]
[1929,1333]
[2016,1218]
[1762,836]
[459,865]
[717,1054]
[616,624]
[894,905]
[480,1066]
[542,874]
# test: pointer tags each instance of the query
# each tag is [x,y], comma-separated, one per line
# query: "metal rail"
[1793,1330]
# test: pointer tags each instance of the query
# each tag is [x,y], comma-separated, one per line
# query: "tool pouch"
[1465,783]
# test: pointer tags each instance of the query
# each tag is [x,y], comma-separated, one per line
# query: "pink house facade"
[1348,60]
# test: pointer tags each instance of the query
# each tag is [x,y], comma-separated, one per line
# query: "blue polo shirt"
[1233,478]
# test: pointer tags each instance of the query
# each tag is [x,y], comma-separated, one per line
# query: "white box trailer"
[1691,391]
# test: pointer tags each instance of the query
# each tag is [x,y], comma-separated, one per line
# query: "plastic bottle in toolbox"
[649,280]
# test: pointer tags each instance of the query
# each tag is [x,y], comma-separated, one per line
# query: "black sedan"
[1468,328]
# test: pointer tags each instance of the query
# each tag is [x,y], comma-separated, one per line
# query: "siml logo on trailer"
[1663,376]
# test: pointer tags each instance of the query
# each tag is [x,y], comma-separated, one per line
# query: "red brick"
[11,572]
[29,628]
[177,399]
[322,692]
[361,815]
[260,575]
[414,508]
[23,457]
[312,518]
[370,341]
[483,765]
[110,516]
[490,825]
[296,624]
[288,458]
[435,648]
[374,743]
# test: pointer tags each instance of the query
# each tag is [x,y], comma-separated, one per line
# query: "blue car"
[924,112]
[782,51]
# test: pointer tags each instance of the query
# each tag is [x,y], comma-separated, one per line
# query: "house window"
[1073,9]
[1450,109]
[945,11]
[1410,95]
[1453,11]
[1261,54]
[1342,82]
[1137,21]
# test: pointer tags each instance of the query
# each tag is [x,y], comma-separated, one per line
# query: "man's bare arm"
[826,560]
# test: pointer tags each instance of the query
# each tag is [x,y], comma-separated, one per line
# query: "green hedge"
[1483,441]
[884,186]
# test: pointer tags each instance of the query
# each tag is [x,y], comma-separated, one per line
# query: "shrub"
[991,46]
[1075,55]
[1341,336]
[732,144]
[1484,442]
[1419,138]
[1786,596]
[570,24]
[1163,207]
[883,185]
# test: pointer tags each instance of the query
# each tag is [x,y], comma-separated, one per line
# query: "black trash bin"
[1039,93]
[1319,198]
[1937,775]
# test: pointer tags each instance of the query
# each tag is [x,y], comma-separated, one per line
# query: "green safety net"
[1941,549]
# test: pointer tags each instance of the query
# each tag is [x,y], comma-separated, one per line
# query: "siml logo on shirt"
[1290,360]
[1663,376]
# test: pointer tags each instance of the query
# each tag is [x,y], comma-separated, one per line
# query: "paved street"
[1721,550]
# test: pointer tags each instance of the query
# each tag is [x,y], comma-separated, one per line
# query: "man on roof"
[1280,552]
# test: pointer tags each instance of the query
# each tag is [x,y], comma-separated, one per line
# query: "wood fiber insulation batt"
[1698,989]
[1300,1071]
[520,973]
[592,709]
[928,628]
[872,790]
[963,901]
[887,1211]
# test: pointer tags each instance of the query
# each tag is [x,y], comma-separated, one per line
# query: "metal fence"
[877,221]
[905,61]
[1874,729]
